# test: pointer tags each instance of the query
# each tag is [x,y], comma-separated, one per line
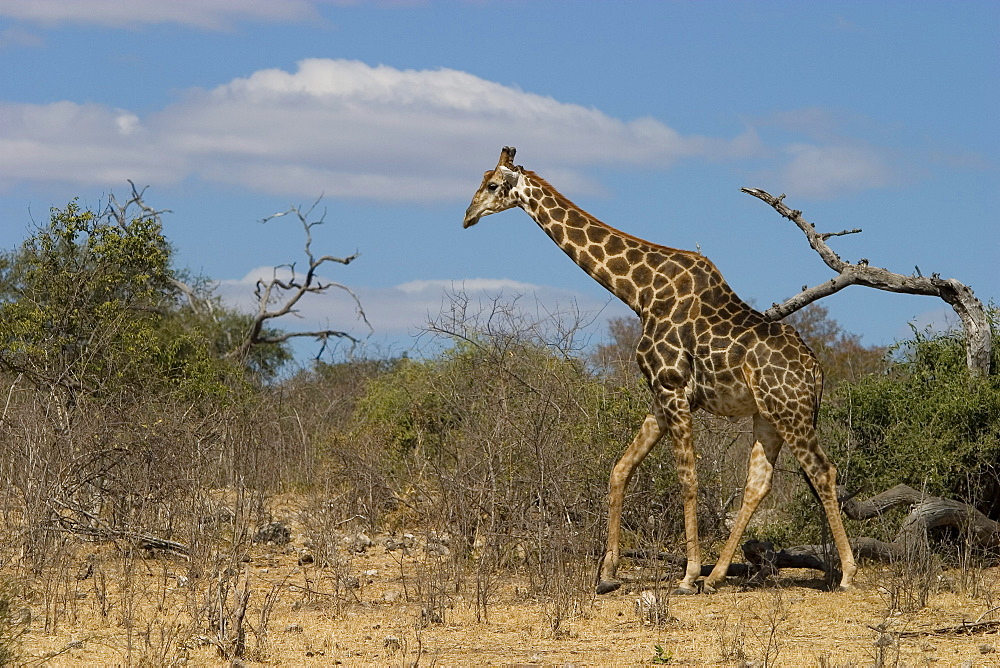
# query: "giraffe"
[702,347]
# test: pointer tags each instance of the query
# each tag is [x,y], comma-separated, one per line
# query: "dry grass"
[101,605]
[430,524]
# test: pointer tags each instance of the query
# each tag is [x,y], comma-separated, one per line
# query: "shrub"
[927,423]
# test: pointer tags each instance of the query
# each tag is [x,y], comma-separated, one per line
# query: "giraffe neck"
[618,261]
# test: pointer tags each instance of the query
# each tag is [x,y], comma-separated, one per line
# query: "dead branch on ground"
[965,628]
[926,513]
[66,514]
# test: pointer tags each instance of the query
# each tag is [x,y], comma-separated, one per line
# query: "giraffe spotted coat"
[702,347]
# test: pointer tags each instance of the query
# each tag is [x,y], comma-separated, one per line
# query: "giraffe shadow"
[739,576]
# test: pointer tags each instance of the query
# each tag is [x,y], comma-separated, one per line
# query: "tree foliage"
[83,298]
[500,430]
[927,423]
[91,304]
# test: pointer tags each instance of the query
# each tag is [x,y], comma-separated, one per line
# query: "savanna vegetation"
[180,489]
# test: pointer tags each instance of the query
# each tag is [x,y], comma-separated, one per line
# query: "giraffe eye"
[493,186]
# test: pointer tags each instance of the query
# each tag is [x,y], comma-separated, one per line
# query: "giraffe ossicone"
[702,347]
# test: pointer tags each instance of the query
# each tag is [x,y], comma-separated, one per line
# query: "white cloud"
[79,143]
[206,14]
[350,130]
[825,171]
[339,127]
[822,153]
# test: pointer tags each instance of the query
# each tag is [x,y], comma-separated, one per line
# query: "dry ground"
[403,609]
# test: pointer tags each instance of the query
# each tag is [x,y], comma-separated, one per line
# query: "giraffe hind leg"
[795,424]
[823,476]
[760,469]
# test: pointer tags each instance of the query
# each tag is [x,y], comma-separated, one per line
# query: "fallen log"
[926,513]
[964,628]
[141,540]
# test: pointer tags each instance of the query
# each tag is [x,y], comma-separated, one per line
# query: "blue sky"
[650,115]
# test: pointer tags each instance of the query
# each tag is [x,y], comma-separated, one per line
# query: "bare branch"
[970,310]
[122,212]
[842,233]
[321,335]
[286,294]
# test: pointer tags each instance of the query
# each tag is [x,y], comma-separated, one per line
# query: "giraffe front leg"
[648,436]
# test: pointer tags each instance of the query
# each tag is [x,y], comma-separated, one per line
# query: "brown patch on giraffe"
[683,283]
[642,275]
[597,234]
[663,297]
[634,256]
[625,287]
[723,328]
[614,245]
[584,260]
[576,236]
[728,311]
[617,265]
[720,342]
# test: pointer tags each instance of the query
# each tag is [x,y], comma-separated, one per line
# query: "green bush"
[926,423]
[84,304]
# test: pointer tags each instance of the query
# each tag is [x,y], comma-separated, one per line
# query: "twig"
[967,628]
[980,618]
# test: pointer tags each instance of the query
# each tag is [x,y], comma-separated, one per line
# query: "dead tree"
[277,297]
[978,336]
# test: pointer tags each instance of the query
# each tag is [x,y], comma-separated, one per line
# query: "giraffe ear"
[510,176]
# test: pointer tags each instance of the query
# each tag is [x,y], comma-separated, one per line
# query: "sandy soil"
[395,615]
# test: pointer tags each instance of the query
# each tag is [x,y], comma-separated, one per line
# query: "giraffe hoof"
[608,586]
[685,591]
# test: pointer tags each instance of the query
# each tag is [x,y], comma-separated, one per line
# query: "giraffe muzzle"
[471,217]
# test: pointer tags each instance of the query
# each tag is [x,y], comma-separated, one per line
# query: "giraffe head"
[495,193]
